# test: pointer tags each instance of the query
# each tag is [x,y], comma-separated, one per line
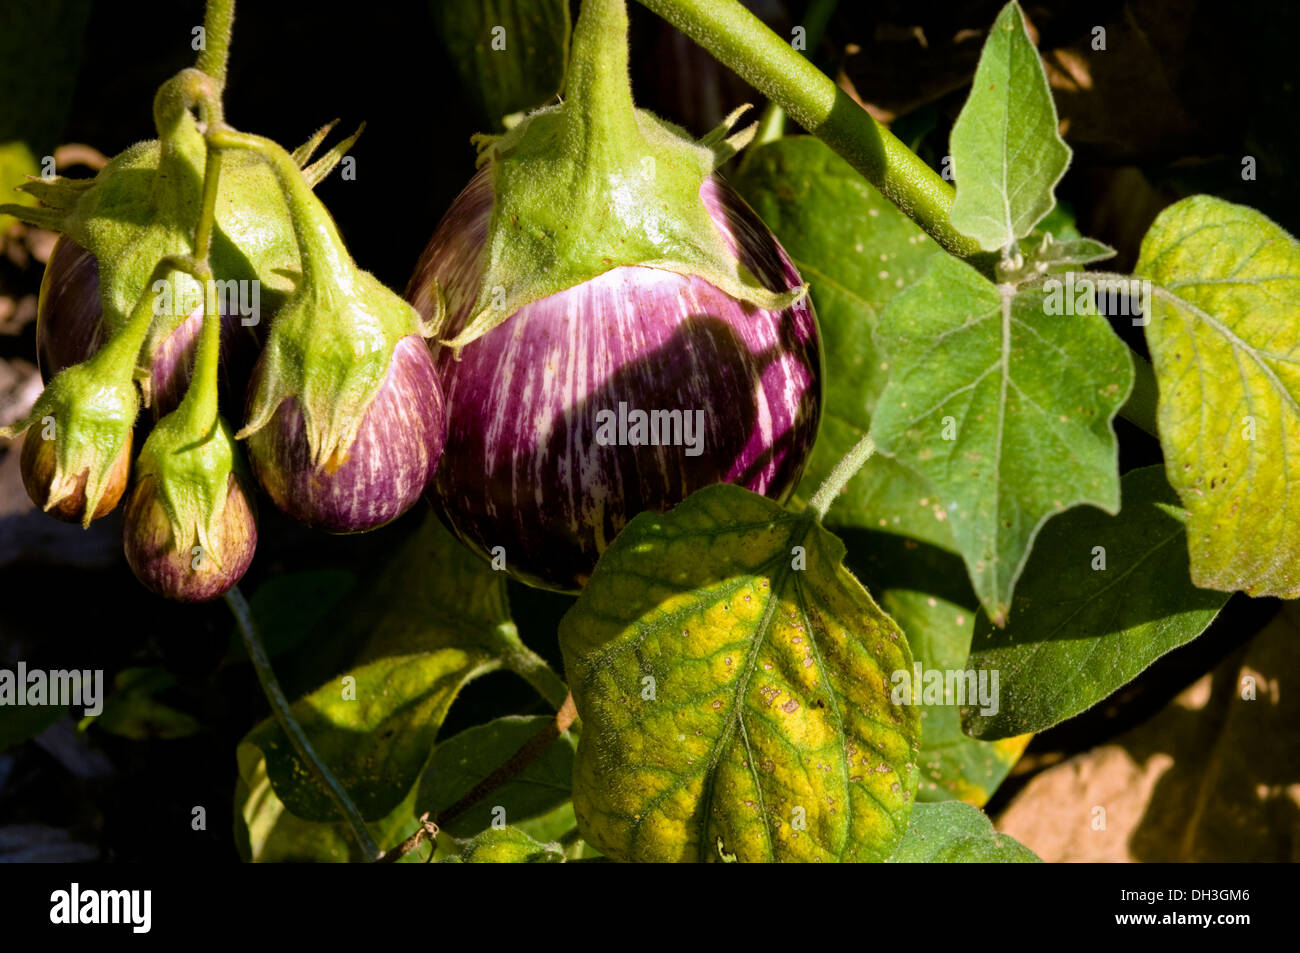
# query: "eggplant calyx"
[594,184]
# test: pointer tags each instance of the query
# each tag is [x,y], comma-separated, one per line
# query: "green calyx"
[330,346]
[595,183]
[89,409]
[144,205]
[191,476]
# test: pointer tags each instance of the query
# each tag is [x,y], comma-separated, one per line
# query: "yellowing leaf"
[1224,333]
[733,684]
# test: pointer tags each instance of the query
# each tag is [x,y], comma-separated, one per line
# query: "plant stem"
[742,42]
[771,124]
[284,717]
[528,665]
[530,751]
[218,19]
[844,471]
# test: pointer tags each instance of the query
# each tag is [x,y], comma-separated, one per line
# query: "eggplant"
[622,394]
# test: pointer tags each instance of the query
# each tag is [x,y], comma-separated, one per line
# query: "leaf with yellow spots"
[1005,408]
[1224,333]
[733,680]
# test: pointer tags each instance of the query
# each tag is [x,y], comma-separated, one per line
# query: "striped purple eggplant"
[384,471]
[188,573]
[622,394]
[70,328]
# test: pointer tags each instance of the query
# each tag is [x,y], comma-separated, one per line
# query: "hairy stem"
[844,471]
[743,43]
[284,717]
[528,665]
[217,22]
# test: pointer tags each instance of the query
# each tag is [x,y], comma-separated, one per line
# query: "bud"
[190,529]
[77,450]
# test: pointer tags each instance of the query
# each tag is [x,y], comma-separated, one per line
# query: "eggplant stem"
[844,471]
[284,717]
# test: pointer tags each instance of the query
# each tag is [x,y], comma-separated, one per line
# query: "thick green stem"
[844,471]
[528,665]
[217,22]
[200,404]
[284,717]
[598,90]
[325,260]
[742,42]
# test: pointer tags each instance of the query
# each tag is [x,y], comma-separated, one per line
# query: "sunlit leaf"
[1224,333]
[1005,408]
[732,681]
[1007,155]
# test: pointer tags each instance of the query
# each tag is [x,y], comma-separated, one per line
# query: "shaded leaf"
[1006,410]
[1077,632]
[133,711]
[18,723]
[464,760]
[1224,335]
[955,833]
[855,250]
[426,626]
[1007,155]
[267,833]
[953,765]
[733,706]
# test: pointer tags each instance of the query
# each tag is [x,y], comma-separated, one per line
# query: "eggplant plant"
[670,399]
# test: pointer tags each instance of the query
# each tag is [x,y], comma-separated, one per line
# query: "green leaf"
[855,250]
[1007,155]
[953,765]
[955,833]
[734,706]
[267,833]
[288,608]
[509,845]
[1078,632]
[527,72]
[428,623]
[133,711]
[1006,410]
[461,762]
[1224,334]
